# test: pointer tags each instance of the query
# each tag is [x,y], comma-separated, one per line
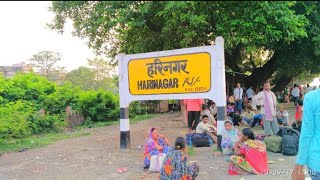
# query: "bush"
[20,119]
[98,105]
[22,96]
[13,119]
[46,123]
[135,109]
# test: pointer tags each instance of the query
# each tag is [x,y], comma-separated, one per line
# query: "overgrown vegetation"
[31,105]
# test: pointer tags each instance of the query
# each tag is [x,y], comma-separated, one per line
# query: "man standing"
[295,92]
[193,107]
[267,101]
[237,93]
[309,142]
[250,93]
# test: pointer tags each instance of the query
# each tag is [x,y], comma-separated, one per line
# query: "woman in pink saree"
[250,156]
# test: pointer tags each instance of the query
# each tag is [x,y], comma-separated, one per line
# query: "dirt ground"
[97,156]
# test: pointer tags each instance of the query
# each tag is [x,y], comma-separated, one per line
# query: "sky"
[23,32]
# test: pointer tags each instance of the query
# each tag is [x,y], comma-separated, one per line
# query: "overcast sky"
[23,32]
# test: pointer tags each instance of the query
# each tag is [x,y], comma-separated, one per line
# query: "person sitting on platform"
[282,116]
[229,138]
[175,165]
[155,144]
[247,116]
[204,127]
[250,156]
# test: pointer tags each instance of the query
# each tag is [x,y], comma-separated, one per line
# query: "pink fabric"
[193,104]
[267,107]
[150,143]
[257,159]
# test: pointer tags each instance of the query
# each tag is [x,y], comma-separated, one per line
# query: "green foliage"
[135,109]
[30,104]
[153,25]
[23,96]
[46,123]
[290,31]
[14,119]
[98,105]
[81,77]
[94,78]
[64,95]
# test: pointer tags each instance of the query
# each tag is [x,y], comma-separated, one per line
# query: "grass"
[215,149]
[191,150]
[36,141]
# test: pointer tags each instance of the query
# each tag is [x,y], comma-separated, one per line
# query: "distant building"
[27,68]
[10,71]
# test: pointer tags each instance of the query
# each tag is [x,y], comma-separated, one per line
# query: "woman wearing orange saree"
[250,156]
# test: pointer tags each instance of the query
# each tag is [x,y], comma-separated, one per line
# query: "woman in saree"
[175,164]
[250,156]
[155,144]
[229,138]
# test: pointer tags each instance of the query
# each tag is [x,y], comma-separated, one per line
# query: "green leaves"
[99,105]
[136,27]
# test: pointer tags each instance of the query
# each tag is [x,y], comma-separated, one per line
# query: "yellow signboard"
[180,74]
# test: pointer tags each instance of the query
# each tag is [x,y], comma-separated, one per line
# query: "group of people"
[260,110]
[247,155]
[295,93]
[175,164]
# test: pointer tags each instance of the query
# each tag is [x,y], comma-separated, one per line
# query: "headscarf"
[150,142]
[230,137]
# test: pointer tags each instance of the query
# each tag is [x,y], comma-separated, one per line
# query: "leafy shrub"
[98,105]
[46,123]
[13,119]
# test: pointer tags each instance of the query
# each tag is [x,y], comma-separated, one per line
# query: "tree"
[44,61]
[82,77]
[248,28]
[58,75]
[100,68]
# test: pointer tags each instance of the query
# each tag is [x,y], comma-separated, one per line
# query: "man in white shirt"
[295,92]
[237,93]
[267,101]
[250,93]
[204,127]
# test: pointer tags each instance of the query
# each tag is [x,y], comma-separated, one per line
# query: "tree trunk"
[281,82]
[232,60]
[262,74]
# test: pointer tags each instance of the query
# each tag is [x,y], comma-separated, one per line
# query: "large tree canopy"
[288,32]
